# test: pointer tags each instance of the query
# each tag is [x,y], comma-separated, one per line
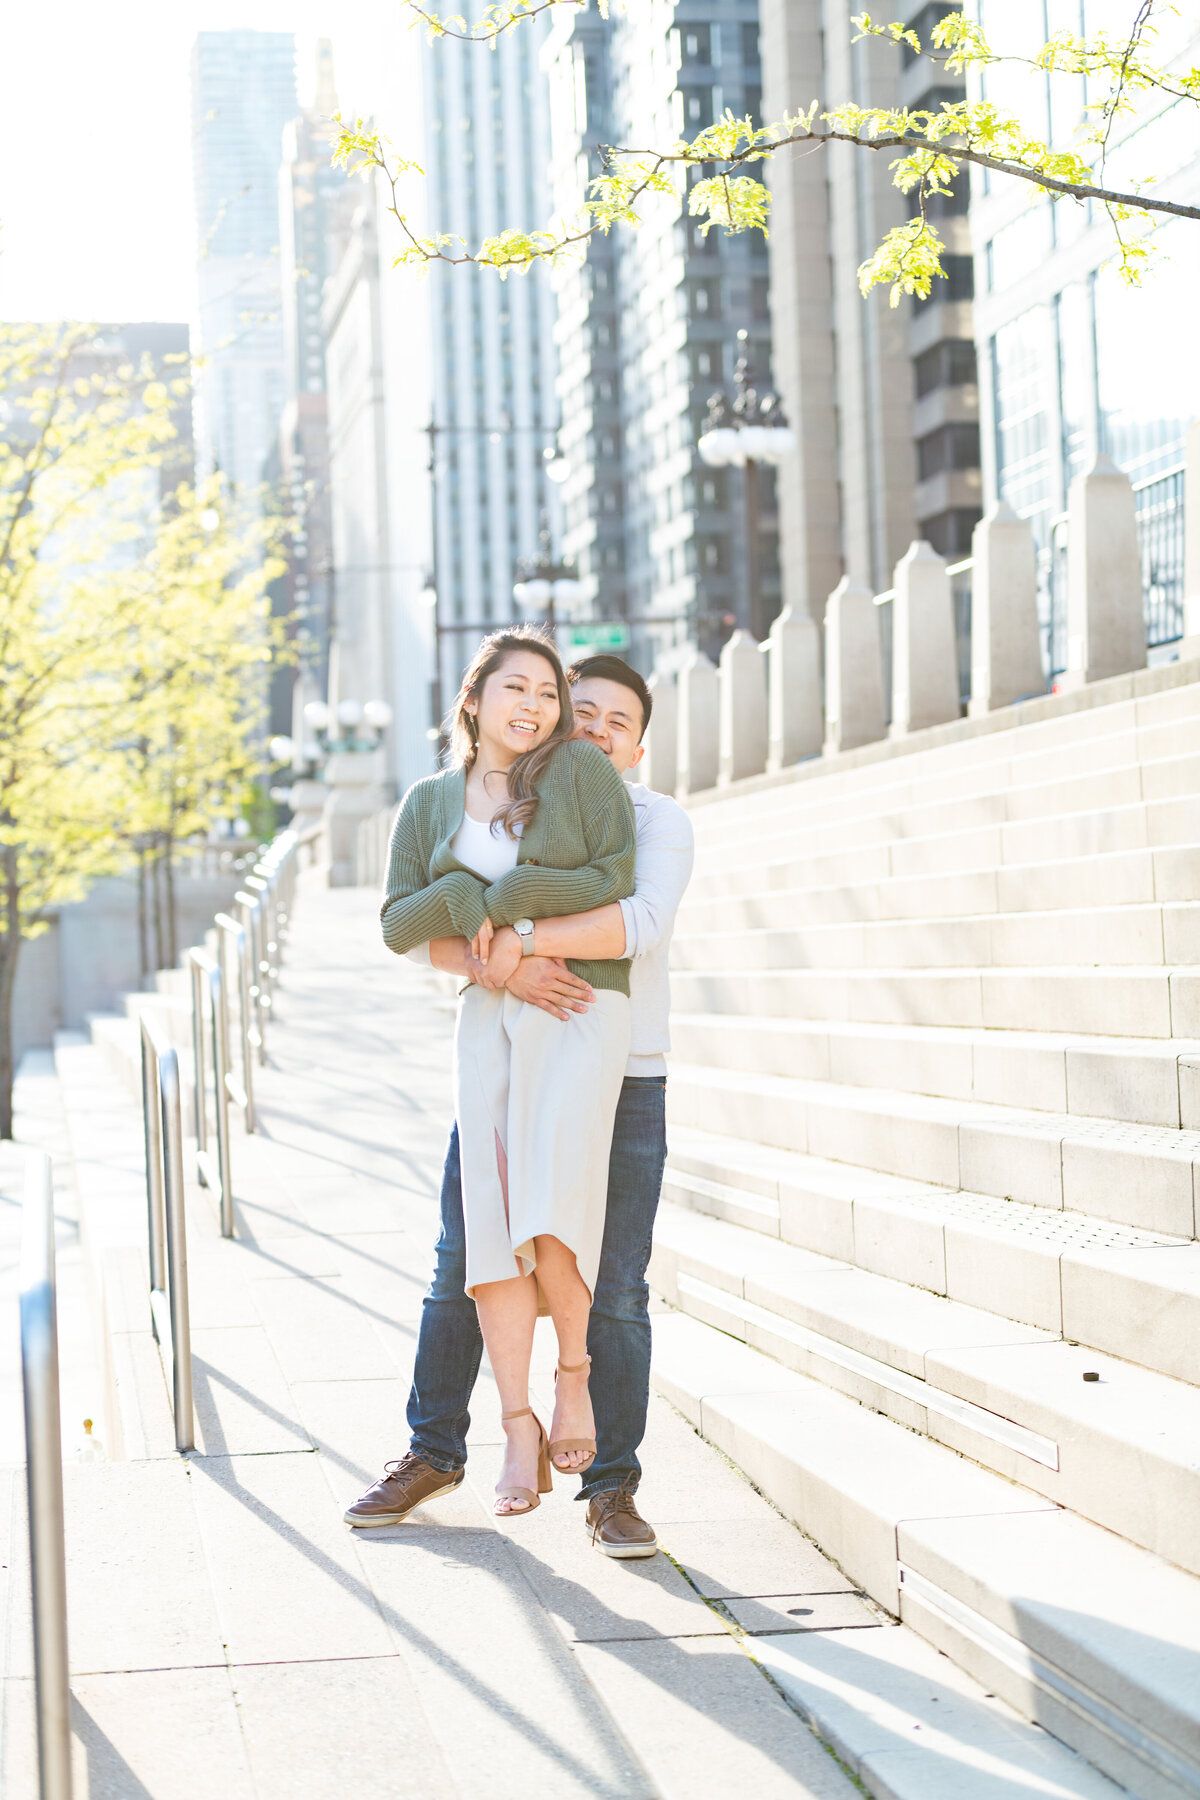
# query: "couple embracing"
[532,870]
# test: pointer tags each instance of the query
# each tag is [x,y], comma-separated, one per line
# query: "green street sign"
[612,634]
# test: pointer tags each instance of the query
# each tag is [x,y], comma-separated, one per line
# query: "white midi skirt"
[548,1091]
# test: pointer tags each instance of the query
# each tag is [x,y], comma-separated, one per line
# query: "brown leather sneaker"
[402,1487]
[617,1527]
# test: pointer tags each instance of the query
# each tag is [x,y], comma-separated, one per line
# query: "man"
[612,710]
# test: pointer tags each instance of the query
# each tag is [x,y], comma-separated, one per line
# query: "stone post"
[1006,650]
[794,700]
[657,767]
[924,653]
[696,763]
[742,735]
[1106,626]
[854,708]
[354,782]
[1191,545]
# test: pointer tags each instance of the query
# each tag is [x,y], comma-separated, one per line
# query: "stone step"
[1119,1450]
[1094,1638]
[776,860]
[1134,1294]
[1103,937]
[1166,725]
[1140,1175]
[1122,878]
[1141,1081]
[812,858]
[1112,773]
[1156,1002]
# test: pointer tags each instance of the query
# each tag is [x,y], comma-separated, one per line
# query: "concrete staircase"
[930,1215]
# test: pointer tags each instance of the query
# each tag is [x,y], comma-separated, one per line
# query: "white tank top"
[490,854]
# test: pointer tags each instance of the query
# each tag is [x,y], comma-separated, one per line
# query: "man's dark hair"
[611,668]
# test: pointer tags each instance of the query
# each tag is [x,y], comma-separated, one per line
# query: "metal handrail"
[161,1113]
[249,908]
[43,1476]
[232,950]
[208,995]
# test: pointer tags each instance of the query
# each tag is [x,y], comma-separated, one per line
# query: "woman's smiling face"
[518,707]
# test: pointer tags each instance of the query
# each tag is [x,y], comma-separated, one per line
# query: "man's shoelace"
[612,1501]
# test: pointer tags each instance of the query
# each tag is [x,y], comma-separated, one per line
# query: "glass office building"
[243,92]
[1075,362]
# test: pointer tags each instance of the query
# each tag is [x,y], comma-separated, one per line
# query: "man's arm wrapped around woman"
[533,891]
[415,909]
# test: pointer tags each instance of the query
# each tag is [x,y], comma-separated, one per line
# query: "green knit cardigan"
[577,852]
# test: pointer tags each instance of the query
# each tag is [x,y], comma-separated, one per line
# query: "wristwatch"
[524,930]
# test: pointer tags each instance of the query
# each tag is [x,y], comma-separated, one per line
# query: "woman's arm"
[533,892]
[415,909]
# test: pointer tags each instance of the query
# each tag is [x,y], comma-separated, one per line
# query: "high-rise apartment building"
[1073,361]
[243,94]
[316,202]
[885,402]
[587,326]
[494,408]
[676,65]
[648,329]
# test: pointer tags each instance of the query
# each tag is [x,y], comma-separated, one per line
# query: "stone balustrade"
[804,693]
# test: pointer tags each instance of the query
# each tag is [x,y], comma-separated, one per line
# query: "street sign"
[611,634]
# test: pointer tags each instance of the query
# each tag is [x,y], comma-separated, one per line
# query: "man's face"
[609,716]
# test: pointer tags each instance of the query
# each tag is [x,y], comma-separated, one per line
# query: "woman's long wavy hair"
[493,652]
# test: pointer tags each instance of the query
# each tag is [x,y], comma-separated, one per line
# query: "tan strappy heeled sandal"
[545,1478]
[567,1444]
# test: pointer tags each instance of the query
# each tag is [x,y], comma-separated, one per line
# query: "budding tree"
[928,147]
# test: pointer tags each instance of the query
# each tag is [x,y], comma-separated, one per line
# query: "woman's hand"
[503,960]
[481,943]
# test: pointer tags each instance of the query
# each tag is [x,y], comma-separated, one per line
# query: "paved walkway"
[230,1637]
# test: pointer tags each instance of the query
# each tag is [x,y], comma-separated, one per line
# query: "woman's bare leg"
[570,1304]
[507,1315]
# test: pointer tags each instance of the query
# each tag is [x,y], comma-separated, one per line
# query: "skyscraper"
[243,94]
[315,206]
[648,329]
[494,410]
[885,401]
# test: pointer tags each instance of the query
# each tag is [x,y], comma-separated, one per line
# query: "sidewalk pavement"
[230,1636]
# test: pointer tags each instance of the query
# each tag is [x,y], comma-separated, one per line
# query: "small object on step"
[90,1449]
[1091,1374]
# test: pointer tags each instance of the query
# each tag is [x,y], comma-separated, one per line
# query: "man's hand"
[503,957]
[546,982]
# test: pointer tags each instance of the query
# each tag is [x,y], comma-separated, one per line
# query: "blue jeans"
[450,1345]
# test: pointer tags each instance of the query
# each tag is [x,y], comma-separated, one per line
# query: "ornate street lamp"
[546,586]
[742,433]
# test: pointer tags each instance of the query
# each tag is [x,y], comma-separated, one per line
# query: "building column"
[1106,625]
[743,709]
[854,706]
[924,653]
[658,767]
[1006,652]
[696,759]
[795,709]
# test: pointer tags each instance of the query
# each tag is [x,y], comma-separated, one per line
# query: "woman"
[525,824]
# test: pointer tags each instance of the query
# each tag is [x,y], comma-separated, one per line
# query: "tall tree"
[81,434]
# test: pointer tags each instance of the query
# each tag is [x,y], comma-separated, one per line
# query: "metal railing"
[43,1476]
[161,1112]
[1160,516]
[209,1006]
[234,958]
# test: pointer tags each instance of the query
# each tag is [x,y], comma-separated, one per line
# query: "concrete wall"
[88,957]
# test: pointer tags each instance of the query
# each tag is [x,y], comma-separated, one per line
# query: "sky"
[96,215]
